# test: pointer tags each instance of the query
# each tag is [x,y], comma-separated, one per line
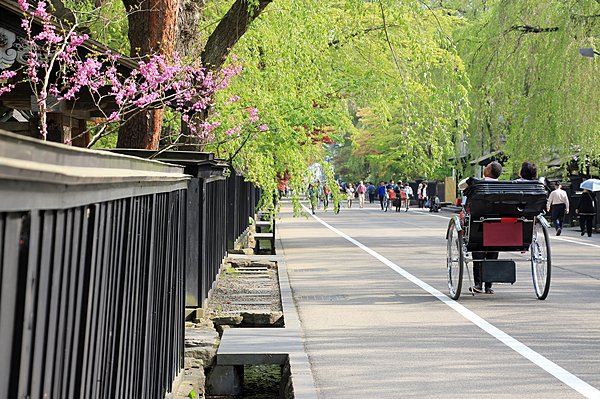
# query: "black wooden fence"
[219,205]
[241,195]
[94,249]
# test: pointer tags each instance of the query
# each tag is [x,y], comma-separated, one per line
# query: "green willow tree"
[409,87]
[534,97]
[287,77]
[308,65]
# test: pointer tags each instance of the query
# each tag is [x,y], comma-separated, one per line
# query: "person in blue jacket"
[381,193]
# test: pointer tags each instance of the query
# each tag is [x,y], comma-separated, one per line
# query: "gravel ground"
[245,287]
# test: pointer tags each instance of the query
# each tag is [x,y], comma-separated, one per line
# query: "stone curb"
[303,381]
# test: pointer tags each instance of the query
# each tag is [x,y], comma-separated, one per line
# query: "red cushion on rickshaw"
[505,233]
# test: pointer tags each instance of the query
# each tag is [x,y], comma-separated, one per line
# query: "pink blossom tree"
[59,66]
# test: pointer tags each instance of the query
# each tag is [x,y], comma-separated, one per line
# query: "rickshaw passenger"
[492,171]
[528,171]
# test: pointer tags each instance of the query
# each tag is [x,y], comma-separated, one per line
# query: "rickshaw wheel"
[455,260]
[541,264]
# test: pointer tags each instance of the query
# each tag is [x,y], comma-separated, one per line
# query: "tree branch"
[231,28]
[532,29]
[335,42]
[387,37]
[231,158]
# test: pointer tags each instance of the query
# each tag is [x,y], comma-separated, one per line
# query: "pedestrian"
[371,192]
[390,184]
[420,201]
[312,197]
[398,201]
[424,194]
[492,172]
[381,193]
[390,198]
[326,194]
[586,211]
[361,190]
[282,183]
[409,194]
[319,188]
[558,205]
[434,203]
[350,194]
[401,198]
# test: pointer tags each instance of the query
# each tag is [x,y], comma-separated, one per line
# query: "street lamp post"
[588,52]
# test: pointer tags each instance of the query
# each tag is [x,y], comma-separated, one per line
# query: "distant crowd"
[398,196]
[389,194]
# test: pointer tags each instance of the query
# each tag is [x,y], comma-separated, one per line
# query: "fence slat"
[55,294]
[10,231]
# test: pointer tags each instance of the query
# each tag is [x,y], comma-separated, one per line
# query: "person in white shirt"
[408,195]
[558,204]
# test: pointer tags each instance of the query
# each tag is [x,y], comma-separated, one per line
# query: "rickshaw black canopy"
[489,198]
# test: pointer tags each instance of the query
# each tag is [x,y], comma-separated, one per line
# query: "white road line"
[545,364]
[575,242]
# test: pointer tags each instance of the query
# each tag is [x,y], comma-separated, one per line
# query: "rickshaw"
[500,216]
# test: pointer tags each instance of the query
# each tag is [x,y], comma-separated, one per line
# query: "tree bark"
[188,20]
[231,28]
[152,29]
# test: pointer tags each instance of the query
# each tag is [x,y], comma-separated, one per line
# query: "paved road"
[374,326]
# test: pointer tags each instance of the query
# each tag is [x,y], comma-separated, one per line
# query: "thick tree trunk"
[188,21]
[152,28]
[231,28]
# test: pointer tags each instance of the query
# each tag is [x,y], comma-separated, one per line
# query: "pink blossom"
[49,35]
[232,99]
[208,127]
[113,117]
[6,88]
[24,5]
[7,74]
[233,130]
[263,127]
[158,80]
[252,114]
[41,12]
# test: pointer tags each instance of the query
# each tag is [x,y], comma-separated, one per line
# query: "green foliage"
[288,78]
[534,96]
[106,23]
[409,86]
[306,63]
[108,141]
